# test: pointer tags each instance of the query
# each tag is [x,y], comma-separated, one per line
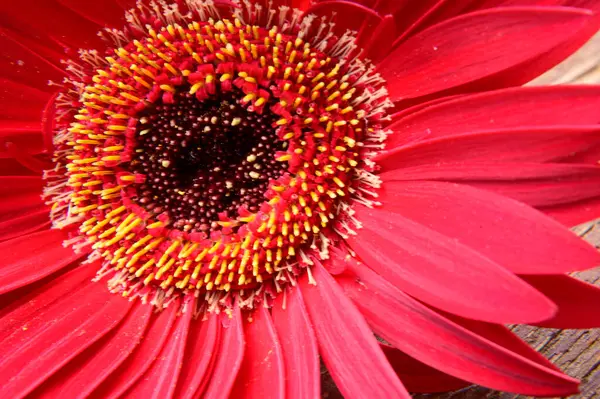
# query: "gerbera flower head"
[210,156]
[236,188]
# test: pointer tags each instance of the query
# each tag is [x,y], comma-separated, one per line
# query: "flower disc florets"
[212,154]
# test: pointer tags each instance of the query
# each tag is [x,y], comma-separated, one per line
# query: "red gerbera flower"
[267,182]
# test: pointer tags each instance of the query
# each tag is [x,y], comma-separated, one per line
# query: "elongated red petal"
[574,214]
[20,63]
[347,345]
[20,101]
[26,135]
[202,348]
[19,312]
[508,232]
[126,4]
[51,24]
[347,15]
[589,156]
[230,356]
[511,145]
[567,193]
[62,333]
[83,374]
[31,222]
[418,377]
[437,341]
[299,346]
[421,262]
[160,380]
[24,184]
[535,67]
[591,4]
[504,337]
[104,13]
[501,110]
[440,11]
[408,14]
[10,166]
[29,258]
[136,364]
[379,43]
[537,184]
[577,301]
[261,374]
[420,65]
[19,204]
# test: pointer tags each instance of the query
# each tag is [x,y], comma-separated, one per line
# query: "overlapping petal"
[421,65]
[339,326]
[441,343]
[53,344]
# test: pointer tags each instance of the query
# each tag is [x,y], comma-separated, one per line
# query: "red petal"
[161,379]
[201,350]
[589,156]
[30,258]
[299,346]
[420,65]
[50,23]
[10,166]
[537,185]
[512,145]
[508,232]
[418,377]
[230,356]
[29,184]
[52,339]
[421,262]
[347,16]
[23,134]
[262,373]
[21,102]
[300,4]
[502,109]
[19,312]
[34,318]
[19,204]
[407,13]
[505,338]
[136,364]
[126,4]
[379,43]
[578,302]
[19,63]
[527,71]
[82,375]
[104,13]
[591,4]
[575,214]
[438,12]
[437,341]
[31,222]
[403,112]
[347,345]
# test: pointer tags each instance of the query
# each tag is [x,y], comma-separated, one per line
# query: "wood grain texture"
[577,352]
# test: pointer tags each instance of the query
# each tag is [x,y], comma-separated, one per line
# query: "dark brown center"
[202,159]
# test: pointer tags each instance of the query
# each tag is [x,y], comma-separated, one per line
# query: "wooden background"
[577,352]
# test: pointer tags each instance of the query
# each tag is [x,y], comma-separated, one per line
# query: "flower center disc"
[205,159]
[214,155]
